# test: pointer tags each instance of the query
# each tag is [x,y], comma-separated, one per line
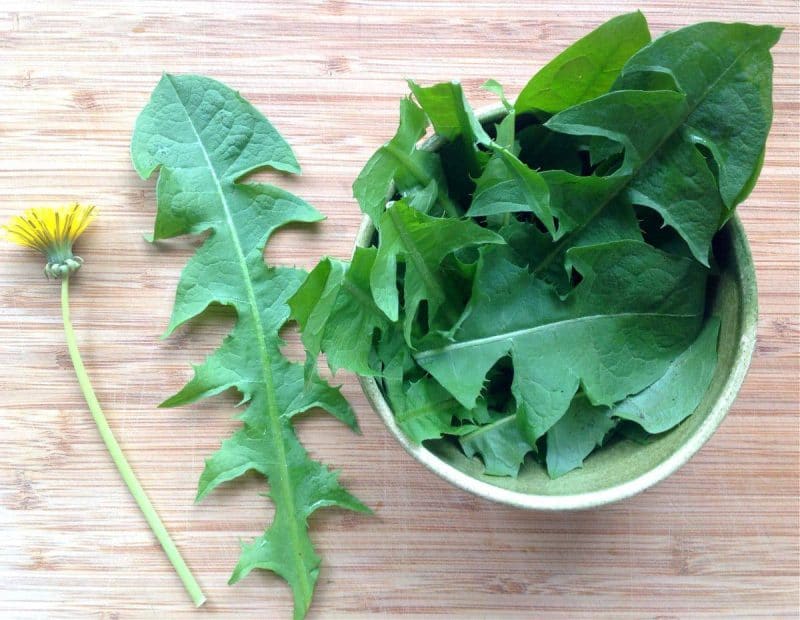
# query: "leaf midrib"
[430,279]
[364,299]
[523,184]
[404,159]
[443,405]
[511,335]
[272,406]
[421,175]
[489,427]
[545,262]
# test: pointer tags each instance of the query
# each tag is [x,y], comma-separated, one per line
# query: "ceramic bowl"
[622,468]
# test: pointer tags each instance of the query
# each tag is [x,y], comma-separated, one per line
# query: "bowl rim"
[589,499]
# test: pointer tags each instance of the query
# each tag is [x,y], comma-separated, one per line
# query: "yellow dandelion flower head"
[52,231]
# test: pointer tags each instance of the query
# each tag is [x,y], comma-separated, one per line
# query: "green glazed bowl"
[622,468]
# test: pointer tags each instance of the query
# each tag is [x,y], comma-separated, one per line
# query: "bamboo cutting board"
[718,538]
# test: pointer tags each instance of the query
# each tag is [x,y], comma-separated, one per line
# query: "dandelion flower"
[52,231]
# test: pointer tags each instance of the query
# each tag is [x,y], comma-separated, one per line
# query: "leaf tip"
[364,509]
[168,403]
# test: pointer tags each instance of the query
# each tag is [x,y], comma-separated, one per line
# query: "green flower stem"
[189,582]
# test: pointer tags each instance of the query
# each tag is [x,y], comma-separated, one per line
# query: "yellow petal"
[47,228]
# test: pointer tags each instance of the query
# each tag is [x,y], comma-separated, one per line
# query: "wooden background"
[720,537]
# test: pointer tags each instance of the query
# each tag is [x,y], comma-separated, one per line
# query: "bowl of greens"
[502,465]
[552,304]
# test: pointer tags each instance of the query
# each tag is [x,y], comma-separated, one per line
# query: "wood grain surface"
[718,538]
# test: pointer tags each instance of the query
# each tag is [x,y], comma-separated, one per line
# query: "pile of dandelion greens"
[538,285]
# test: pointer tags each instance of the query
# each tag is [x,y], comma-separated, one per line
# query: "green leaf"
[579,431]
[506,128]
[592,209]
[425,411]
[449,111]
[578,201]
[501,445]
[423,408]
[399,162]
[205,137]
[285,547]
[454,119]
[422,198]
[505,133]
[587,68]
[665,173]
[676,395]
[526,246]
[423,242]
[616,333]
[725,70]
[575,199]
[336,312]
[621,115]
[657,408]
[507,186]
[748,186]
[494,87]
